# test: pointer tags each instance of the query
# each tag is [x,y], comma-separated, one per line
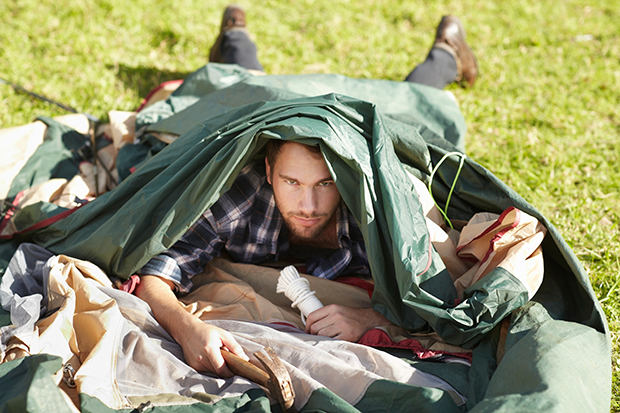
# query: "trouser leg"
[237,47]
[438,70]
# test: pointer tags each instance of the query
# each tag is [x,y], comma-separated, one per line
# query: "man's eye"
[290,182]
[326,183]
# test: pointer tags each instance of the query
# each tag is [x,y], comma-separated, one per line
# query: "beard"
[303,234]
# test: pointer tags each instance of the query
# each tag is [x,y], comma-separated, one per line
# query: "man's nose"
[308,204]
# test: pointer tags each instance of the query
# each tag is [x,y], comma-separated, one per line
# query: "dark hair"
[275,145]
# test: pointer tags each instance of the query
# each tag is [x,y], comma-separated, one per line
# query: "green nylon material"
[367,146]
[56,157]
[34,388]
[173,188]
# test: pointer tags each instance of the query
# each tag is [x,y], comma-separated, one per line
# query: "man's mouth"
[307,222]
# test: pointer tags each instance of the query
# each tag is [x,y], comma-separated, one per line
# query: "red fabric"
[152,92]
[498,222]
[284,323]
[45,222]
[11,212]
[379,338]
[358,282]
[130,285]
[430,259]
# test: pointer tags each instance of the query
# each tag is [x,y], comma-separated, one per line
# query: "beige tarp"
[123,357]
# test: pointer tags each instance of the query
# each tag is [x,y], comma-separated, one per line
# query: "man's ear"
[268,171]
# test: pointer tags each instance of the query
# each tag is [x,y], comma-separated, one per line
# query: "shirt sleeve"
[189,255]
[226,220]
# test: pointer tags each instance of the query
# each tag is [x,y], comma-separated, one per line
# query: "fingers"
[333,331]
[223,339]
[328,321]
[202,350]
[231,345]
[335,327]
[316,316]
[319,327]
[341,322]
[216,363]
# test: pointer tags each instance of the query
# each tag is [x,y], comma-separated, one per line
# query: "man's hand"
[344,323]
[201,348]
[201,342]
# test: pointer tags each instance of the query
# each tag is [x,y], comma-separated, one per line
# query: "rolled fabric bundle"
[297,289]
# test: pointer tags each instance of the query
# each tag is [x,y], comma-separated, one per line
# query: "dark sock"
[438,70]
[238,48]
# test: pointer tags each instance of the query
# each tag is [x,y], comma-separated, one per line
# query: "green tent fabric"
[370,132]
[34,376]
[58,156]
[430,111]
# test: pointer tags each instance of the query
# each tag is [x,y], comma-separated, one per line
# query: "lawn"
[544,115]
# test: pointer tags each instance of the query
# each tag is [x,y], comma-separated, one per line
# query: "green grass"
[544,115]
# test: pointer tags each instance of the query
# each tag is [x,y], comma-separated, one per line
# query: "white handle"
[297,289]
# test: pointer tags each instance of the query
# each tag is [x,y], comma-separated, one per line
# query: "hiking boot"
[233,19]
[451,38]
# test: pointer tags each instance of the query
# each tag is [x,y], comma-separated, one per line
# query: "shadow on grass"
[535,122]
[144,79]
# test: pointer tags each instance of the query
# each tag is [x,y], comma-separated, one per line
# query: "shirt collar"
[342,225]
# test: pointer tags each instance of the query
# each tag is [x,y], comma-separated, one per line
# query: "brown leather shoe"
[233,19]
[451,38]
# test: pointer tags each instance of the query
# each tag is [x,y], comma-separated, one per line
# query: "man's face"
[304,191]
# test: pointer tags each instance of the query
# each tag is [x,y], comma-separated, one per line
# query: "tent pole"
[21,89]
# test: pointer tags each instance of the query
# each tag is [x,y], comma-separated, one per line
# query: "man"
[449,60]
[288,207]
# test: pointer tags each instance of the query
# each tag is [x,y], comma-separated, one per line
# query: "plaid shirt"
[246,223]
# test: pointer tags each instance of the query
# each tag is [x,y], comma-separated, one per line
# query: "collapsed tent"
[510,344]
